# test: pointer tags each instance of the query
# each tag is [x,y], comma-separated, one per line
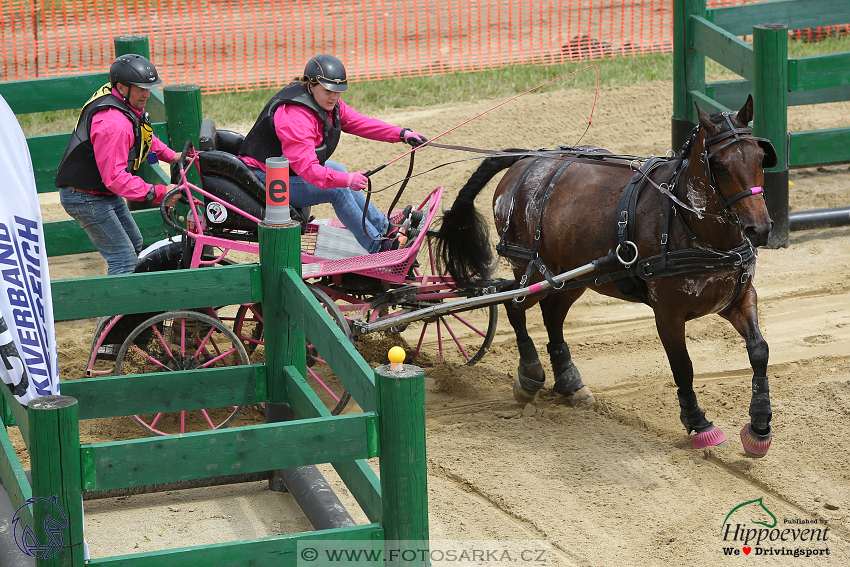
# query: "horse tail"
[463,243]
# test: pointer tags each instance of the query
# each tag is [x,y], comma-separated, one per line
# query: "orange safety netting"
[233,45]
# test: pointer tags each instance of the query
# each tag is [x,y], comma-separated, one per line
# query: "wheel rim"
[462,337]
[181,340]
[249,328]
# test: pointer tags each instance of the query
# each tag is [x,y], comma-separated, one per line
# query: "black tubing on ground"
[307,485]
[819,218]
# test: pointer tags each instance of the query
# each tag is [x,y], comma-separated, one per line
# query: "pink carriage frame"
[392,266]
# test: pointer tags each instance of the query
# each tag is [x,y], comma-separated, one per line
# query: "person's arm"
[112,137]
[353,122]
[300,131]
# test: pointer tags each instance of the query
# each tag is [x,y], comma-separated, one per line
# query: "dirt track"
[617,483]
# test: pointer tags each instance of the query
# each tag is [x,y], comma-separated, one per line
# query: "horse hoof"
[522,395]
[713,437]
[581,397]
[755,445]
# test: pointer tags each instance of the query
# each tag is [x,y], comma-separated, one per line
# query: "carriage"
[399,292]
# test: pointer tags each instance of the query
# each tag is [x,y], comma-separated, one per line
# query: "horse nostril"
[757,236]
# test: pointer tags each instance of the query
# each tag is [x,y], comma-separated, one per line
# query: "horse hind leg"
[530,373]
[567,377]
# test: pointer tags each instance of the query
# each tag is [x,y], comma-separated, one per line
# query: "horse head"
[733,161]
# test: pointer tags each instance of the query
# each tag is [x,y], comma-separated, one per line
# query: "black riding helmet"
[328,71]
[132,69]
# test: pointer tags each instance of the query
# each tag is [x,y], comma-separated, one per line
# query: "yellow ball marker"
[396,356]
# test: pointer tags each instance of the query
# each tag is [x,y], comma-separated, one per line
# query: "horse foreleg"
[530,373]
[567,377]
[756,435]
[671,331]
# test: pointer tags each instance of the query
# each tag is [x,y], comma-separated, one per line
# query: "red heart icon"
[747,550]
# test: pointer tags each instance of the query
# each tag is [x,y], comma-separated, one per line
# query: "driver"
[303,122]
[100,167]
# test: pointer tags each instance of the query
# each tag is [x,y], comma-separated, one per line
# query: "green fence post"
[137,44]
[404,487]
[56,479]
[183,111]
[688,70]
[770,103]
[280,247]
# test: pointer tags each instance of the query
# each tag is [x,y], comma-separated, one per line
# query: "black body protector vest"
[262,141]
[78,167]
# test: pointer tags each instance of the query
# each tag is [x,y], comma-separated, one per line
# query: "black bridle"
[732,136]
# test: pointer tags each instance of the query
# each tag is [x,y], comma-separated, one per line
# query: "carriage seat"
[227,177]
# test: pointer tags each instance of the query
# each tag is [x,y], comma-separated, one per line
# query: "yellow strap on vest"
[147,129]
[147,141]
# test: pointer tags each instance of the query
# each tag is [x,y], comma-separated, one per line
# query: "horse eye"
[721,168]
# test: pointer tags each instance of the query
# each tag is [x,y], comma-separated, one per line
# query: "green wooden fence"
[391,426]
[175,114]
[775,81]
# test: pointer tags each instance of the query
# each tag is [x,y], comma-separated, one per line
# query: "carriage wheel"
[249,328]
[181,340]
[462,337]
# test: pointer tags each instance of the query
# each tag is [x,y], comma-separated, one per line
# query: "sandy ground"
[613,484]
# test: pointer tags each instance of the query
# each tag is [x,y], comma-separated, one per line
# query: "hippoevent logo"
[48,544]
[750,528]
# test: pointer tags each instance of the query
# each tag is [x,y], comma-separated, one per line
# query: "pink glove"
[357,181]
[413,138]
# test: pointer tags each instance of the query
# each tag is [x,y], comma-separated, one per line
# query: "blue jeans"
[347,204]
[110,226]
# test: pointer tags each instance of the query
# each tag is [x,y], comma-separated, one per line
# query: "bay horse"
[679,235]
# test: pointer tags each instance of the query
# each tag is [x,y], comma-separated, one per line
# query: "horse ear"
[704,118]
[745,115]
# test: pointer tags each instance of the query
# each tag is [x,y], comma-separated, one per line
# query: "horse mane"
[685,151]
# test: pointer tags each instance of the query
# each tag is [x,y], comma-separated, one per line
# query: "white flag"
[28,362]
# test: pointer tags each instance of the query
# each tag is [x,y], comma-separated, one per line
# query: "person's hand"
[357,181]
[415,139]
[177,157]
[174,198]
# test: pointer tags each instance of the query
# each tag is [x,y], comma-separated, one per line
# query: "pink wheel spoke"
[162,341]
[325,386]
[149,357]
[421,339]
[182,422]
[204,342]
[182,337]
[207,417]
[457,342]
[468,324]
[216,359]
[156,419]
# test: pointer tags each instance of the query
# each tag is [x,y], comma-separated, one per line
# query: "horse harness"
[631,281]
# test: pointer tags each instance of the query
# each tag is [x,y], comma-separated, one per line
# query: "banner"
[27,334]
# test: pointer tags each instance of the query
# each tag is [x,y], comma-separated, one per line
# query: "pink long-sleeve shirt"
[300,132]
[112,138]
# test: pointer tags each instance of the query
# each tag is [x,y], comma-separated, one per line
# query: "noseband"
[731,136]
